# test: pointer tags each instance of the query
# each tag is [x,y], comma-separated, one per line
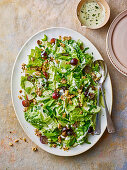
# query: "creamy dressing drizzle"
[92,14]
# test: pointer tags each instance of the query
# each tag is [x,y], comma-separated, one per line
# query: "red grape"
[43,54]
[25,103]
[52,40]
[44,140]
[74,61]
[55,95]
[45,74]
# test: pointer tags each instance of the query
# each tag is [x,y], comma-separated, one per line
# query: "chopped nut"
[34,149]
[63,38]
[45,62]
[81,112]
[37,133]
[93,74]
[59,125]
[65,148]
[68,62]
[71,96]
[24,139]
[63,80]
[11,144]
[59,103]
[56,61]
[59,139]
[23,66]
[64,115]
[66,38]
[34,101]
[60,37]
[57,90]
[83,77]
[80,91]
[39,93]
[62,97]
[54,145]
[80,104]
[63,45]
[43,69]
[70,102]
[64,134]
[39,42]
[20,91]
[36,130]
[51,58]
[38,73]
[69,38]
[96,79]
[17,140]
[25,109]
[32,58]
[38,69]
[66,92]
[20,97]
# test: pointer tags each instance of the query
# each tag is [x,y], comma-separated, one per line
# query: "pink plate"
[116,43]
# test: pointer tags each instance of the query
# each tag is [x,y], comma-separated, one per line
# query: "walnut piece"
[59,126]
[38,73]
[64,115]
[63,45]
[60,37]
[20,91]
[59,139]
[17,140]
[10,144]
[63,81]
[34,149]
[20,97]
[54,145]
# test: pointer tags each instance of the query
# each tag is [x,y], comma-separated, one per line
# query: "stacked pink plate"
[116,42]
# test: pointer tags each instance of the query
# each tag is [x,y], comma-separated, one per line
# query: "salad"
[60,92]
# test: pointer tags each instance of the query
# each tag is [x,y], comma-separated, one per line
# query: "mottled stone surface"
[20,19]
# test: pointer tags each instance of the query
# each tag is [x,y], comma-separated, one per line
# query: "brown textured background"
[20,19]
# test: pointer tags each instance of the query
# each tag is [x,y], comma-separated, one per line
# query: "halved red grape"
[55,95]
[52,40]
[74,61]
[43,54]
[39,42]
[69,132]
[46,74]
[90,130]
[87,70]
[25,103]
[44,140]
[29,78]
